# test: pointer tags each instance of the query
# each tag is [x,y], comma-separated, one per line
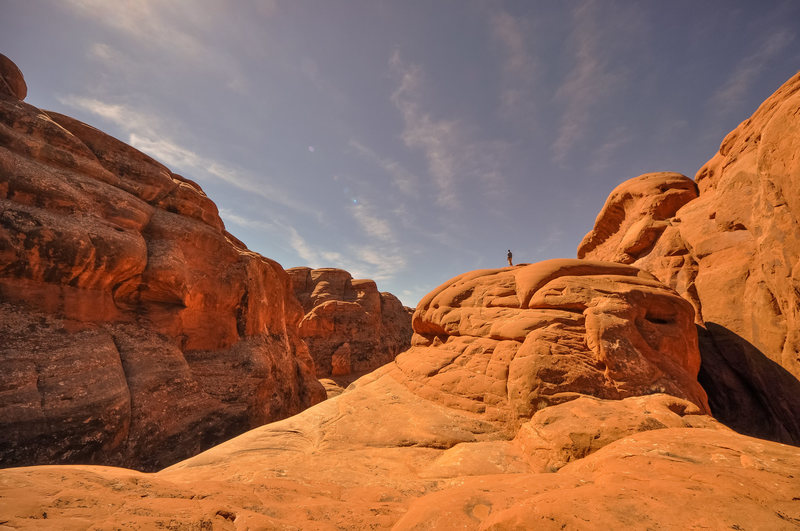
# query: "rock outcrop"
[349,326]
[531,400]
[135,330]
[729,242]
[516,340]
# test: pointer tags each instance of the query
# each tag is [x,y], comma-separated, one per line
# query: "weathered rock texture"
[729,242]
[135,330]
[529,401]
[349,326]
[516,340]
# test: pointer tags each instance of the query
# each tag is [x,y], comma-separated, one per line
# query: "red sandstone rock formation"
[534,336]
[729,243]
[507,413]
[135,330]
[349,326]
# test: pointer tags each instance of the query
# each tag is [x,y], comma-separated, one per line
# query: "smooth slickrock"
[135,330]
[349,326]
[450,435]
[733,249]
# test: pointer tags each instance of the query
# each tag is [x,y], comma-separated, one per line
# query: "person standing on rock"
[509,258]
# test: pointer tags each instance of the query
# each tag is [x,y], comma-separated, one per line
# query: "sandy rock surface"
[409,447]
[729,242]
[136,331]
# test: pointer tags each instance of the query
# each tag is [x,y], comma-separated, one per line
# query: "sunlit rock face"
[530,400]
[504,343]
[349,326]
[729,242]
[135,330]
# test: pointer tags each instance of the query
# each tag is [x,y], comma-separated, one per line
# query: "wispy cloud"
[377,264]
[381,260]
[735,89]
[590,80]
[601,156]
[375,226]
[146,133]
[434,137]
[454,159]
[144,20]
[402,179]
[165,28]
[236,219]
[519,66]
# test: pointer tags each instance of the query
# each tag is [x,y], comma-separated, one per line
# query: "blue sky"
[407,141]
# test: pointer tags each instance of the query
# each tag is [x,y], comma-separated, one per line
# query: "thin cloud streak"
[454,158]
[421,131]
[519,67]
[373,225]
[144,134]
[601,157]
[157,26]
[381,261]
[731,95]
[589,81]
[402,179]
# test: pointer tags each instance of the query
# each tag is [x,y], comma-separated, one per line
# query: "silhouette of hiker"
[509,258]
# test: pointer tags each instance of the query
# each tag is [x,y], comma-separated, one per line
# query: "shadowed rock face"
[136,331]
[733,251]
[486,422]
[349,326]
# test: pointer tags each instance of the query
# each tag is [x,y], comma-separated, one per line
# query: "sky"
[407,141]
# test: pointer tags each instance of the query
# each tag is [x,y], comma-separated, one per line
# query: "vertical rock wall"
[729,242]
[135,330]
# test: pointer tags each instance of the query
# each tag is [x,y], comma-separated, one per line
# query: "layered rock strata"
[531,400]
[135,330]
[349,326]
[729,242]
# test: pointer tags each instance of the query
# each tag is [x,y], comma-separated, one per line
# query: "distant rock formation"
[532,399]
[135,330]
[349,326]
[729,242]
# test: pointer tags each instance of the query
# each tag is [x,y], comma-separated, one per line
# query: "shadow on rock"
[746,390]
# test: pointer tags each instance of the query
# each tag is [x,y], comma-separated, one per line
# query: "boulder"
[135,330]
[505,343]
[349,326]
[728,242]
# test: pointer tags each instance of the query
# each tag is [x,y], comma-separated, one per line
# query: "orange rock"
[12,83]
[505,343]
[380,456]
[349,326]
[135,330]
[733,251]
[453,434]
